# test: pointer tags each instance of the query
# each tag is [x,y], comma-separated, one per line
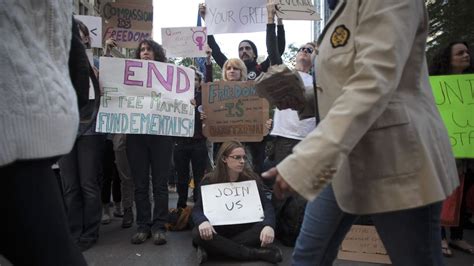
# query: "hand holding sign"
[232,203]
[202,10]
[296,10]
[271,11]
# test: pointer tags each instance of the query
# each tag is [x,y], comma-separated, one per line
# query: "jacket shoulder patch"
[340,36]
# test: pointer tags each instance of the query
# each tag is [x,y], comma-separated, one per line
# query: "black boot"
[201,255]
[127,220]
[270,254]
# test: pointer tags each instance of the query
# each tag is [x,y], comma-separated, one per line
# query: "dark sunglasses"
[306,50]
[238,157]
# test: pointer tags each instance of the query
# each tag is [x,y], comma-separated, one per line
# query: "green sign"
[454,96]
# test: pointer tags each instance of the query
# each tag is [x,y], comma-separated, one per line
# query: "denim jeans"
[123,169]
[111,183]
[283,147]
[145,152]
[80,175]
[411,237]
[256,150]
[185,151]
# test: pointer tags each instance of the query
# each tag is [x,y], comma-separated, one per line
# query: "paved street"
[114,248]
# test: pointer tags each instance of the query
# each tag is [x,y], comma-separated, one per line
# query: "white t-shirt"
[287,124]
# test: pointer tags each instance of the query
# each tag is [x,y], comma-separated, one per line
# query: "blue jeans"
[411,237]
[80,177]
[145,153]
[185,151]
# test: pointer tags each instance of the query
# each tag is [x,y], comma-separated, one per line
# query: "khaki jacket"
[381,141]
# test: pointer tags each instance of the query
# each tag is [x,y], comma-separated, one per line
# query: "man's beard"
[247,59]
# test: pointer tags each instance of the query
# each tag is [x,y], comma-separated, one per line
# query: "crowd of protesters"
[127,176]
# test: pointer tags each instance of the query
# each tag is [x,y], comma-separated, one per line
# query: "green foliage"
[450,20]
[188,61]
[216,70]
[289,56]
[182,61]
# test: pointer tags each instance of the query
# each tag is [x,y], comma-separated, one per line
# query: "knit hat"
[254,48]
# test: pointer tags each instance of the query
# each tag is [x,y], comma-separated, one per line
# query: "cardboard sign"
[128,24]
[145,97]
[232,203]
[94,24]
[296,10]
[234,111]
[454,96]
[230,16]
[362,243]
[185,41]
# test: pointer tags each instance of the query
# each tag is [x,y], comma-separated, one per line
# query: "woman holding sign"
[244,241]
[456,59]
[147,152]
[234,69]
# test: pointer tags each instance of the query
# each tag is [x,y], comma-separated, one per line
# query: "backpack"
[179,219]
[289,218]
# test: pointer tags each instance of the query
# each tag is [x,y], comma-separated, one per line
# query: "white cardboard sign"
[296,10]
[145,97]
[230,16]
[184,41]
[94,24]
[232,203]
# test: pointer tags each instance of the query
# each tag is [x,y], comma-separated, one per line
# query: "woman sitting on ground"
[250,241]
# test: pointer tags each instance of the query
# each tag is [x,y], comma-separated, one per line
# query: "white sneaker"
[106,219]
[118,209]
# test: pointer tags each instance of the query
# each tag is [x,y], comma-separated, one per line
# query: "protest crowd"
[263,152]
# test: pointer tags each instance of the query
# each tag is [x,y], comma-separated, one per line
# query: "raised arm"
[281,36]
[272,45]
[209,70]
[216,50]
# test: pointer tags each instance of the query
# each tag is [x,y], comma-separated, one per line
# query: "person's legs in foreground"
[198,161]
[34,230]
[324,227]
[139,160]
[182,157]
[257,154]
[72,192]
[90,151]
[126,187]
[107,177]
[412,237]
[160,150]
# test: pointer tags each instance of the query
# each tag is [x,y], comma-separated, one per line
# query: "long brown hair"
[158,51]
[221,174]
